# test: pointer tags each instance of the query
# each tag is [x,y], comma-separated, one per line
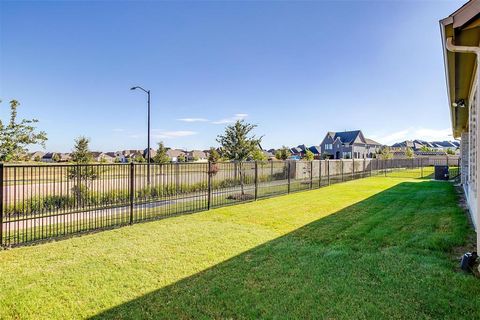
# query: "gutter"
[476,50]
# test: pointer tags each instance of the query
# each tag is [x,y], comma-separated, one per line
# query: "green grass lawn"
[371,248]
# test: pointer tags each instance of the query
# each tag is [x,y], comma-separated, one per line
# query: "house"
[316,150]
[197,155]
[460,34]
[418,145]
[444,145]
[173,154]
[299,150]
[102,157]
[36,156]
[56,157]
[269,155]
[125,156]
[348,145]
[152,154]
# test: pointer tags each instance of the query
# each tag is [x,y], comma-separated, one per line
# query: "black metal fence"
[40,202]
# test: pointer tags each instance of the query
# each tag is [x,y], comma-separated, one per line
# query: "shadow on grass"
[385,257]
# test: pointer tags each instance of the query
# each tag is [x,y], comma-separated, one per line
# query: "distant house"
[299,150]
[269,155]
[152,154]
[197,155]
[348,145]
[36,156]
[125,156]
[173,154]
[102,157]
[444,145]
[56,157]
[316,150]
[418,145]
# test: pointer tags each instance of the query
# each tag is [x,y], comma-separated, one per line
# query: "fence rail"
[40,202]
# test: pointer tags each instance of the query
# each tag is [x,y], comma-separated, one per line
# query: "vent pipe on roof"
[476,50]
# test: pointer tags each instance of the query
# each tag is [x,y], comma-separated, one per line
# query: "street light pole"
[148,130]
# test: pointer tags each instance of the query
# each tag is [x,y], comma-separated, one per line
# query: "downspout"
[476,50]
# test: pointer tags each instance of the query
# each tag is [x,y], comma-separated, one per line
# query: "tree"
[81,153]
[82,174]
[385,153]
[139,159]
[16,135]
[238,144]
[409,153]
[161,156]
[181,158]
[283,153]
[259,155]
[450,151]
[213,155]
[426,149]
[309,155]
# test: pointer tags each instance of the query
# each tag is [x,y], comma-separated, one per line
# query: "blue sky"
[296,69]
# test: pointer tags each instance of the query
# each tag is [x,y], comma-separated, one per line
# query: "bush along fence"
[40,202]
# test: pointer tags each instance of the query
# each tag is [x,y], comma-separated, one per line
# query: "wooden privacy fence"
[40,202]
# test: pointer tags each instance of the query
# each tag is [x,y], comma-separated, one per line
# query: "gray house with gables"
[348,145]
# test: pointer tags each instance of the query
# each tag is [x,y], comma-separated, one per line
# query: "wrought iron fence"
[40,202]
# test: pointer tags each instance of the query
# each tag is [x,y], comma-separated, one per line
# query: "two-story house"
[348,145]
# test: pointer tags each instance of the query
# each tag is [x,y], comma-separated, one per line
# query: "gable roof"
[347,136]
[372,142]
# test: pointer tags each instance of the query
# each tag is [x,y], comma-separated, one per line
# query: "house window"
[347,155]
[328,146]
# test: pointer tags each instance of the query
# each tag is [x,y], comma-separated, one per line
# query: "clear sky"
[296,69]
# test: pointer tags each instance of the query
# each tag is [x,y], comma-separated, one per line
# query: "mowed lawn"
[371,248]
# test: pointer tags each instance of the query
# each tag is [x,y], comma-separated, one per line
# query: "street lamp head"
[133,88]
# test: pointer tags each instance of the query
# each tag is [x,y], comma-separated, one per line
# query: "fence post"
[319,173]
[209,185]
[1,204]
[385,161]
[311,174]
[421,168]
[256,180]
[353,168]
[364,167]
[132,190]
[341,167]
[288,162]
[328,171]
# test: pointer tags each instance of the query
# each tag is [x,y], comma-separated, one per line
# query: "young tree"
[82,174]
[81,153]
[450,151]
[259,155]
[161,156]
[16,135]
[283,153]
[385,153]
[238,144]
[181,158]
[213,155]
[409,153]
[139,159]
[425,149]
[309,155]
